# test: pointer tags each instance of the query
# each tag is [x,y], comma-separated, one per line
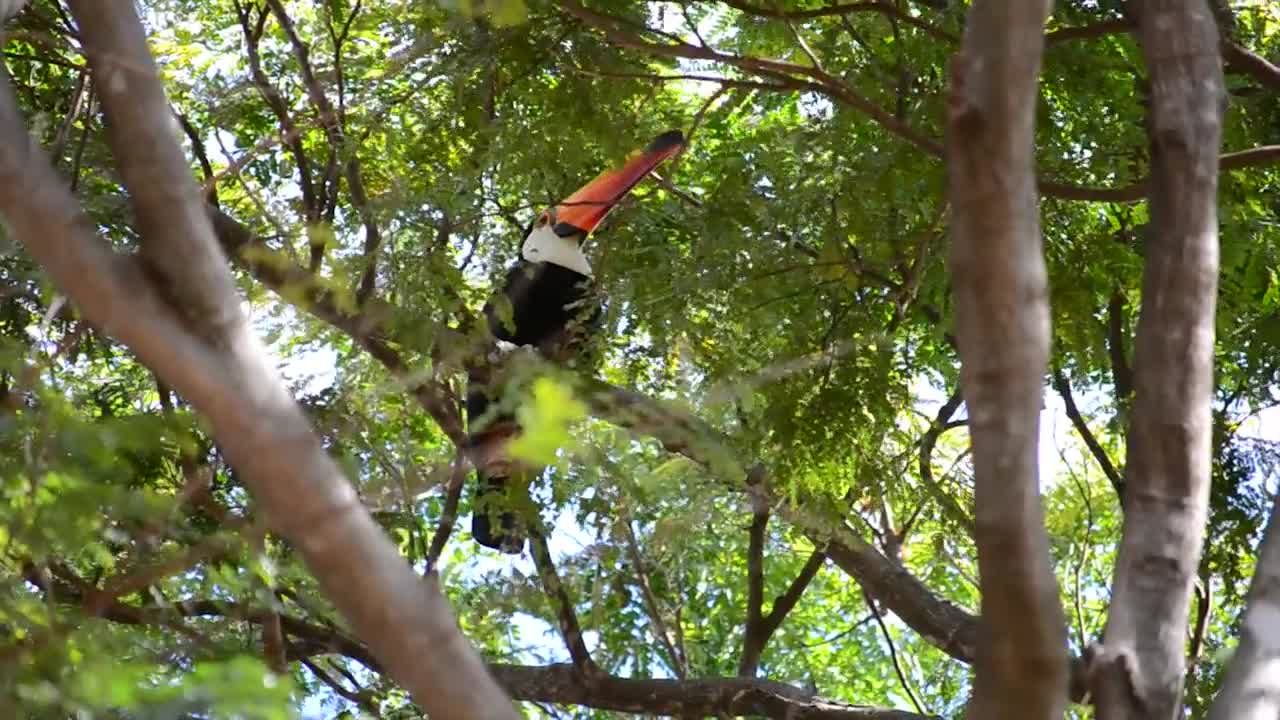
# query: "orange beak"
[582,211]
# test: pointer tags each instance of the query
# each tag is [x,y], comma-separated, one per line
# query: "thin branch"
[1238,59]
[893,655]
[785,73]
[678,663]
[1063,386]
[361,698]
[1204,604]
[570,630]
[197,147]
[799,78]
[290,135]
[1121,372]
[367,328]
[1087,32]
[877,6]
[786,602]
[928,442]
[210,548]
[449,513]
[752,642]
[331,122]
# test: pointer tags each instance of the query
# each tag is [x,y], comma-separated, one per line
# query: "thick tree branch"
[1063,386]
[1139,669]
[1000,288]
[1251,688]
[224,371]
[1246,62]
[732,697]
[190,270]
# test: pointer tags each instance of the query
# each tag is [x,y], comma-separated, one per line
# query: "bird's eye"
[546,218]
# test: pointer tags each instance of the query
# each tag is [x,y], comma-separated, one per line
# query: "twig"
[1063,386]
[570,630]
[449,513]
[678,662]
[893,655]
[361,698]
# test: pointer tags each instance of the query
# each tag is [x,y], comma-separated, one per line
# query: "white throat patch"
[544,245]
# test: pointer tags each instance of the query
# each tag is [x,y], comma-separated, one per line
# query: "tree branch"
[365,326]
[785,73]
[927,443]
[1063,386]
[753,639]
[1000,290]
[360,698]
[290,135]
[939,621]
[1140,667]
[567,619]
[732,697]
[176,240]
[223,371]
[1121,373]
[331,121]
[1251,687]
[560,684]
[678,663]
[802,78]
[887,9]
[1249,63]
[893,655]
[449,513]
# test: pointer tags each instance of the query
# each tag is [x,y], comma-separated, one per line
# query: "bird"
[548,301]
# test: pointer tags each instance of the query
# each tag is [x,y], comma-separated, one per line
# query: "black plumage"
[553,309]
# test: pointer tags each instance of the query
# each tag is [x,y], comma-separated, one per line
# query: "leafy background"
[786,284]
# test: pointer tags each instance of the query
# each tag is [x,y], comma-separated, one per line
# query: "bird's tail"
[495,520]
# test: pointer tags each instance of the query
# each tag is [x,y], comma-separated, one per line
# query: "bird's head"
[558,233]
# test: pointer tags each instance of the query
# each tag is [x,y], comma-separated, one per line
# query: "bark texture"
[178,310]
[1251,689]
[1002,333]
[1138,670]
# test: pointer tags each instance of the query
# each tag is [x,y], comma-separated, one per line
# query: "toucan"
[547,301]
